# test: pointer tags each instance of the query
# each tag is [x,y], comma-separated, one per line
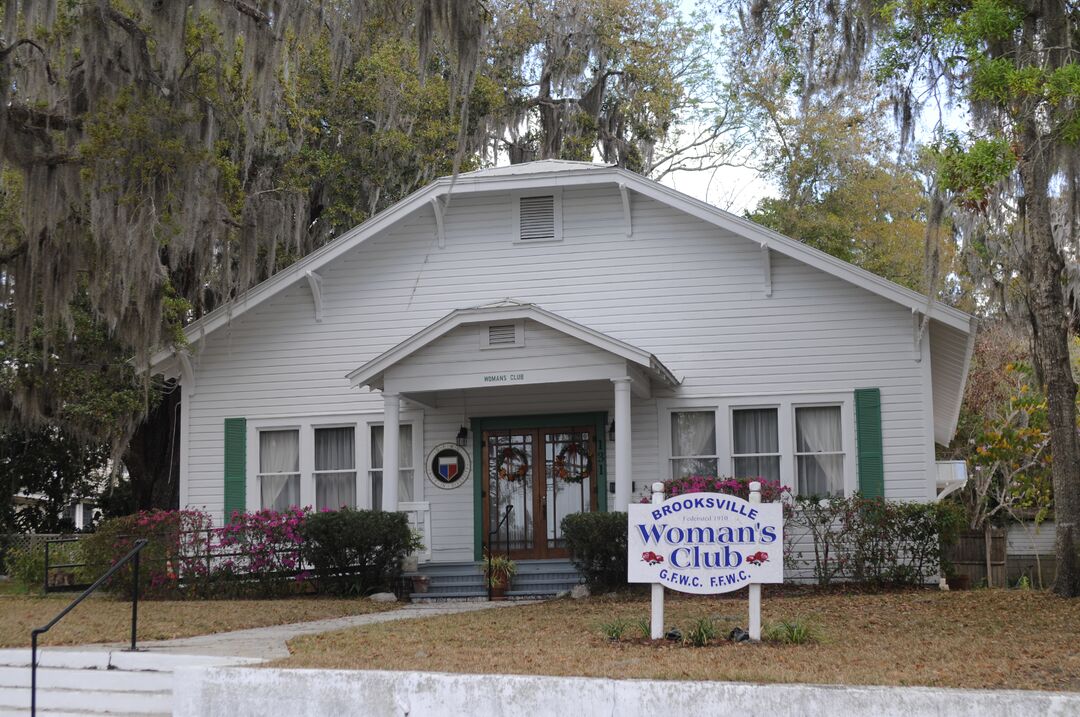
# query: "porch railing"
[419,514]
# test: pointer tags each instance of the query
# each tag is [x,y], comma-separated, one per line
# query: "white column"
[623,467]
[391,438]
[656,612]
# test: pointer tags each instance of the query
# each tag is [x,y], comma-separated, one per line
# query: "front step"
[465,580]
[73,682]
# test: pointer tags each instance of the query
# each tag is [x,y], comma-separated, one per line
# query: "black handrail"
[133,556]
[492,533]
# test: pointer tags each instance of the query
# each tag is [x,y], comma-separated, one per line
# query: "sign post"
[705,543]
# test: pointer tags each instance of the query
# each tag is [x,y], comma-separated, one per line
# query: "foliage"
[262,550]
[771,491]
[701,632]
[356,552]
[27,564]
[498,570]
[597,545]
[176,555]
[51,469]
[872,540]
[614,629]
[796,631]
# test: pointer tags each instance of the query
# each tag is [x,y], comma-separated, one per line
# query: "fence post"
[134,600]
[657,614]
[755,588]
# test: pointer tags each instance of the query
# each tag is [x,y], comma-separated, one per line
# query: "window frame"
[785,403]
[667,431]
[732,455]
[844,451]
[306,426]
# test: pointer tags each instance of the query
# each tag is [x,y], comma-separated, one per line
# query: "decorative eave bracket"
[187,374]
[918,330]
[766,269]
[315,284]
[437,206]
[624,192]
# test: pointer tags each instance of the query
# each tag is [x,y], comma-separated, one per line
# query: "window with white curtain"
[693,443]
[279,469]
[819,451]
[335,468]
[405,465]
[755,443]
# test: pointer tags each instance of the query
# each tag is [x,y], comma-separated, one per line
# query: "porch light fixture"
[611,431]
[462,437]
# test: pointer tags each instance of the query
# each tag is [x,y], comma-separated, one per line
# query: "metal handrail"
[492,533]
[133,555]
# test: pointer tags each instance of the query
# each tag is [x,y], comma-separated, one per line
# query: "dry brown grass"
[107,620]
[978,639]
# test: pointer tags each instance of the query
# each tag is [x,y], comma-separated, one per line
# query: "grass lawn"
[979,639]
[102,619]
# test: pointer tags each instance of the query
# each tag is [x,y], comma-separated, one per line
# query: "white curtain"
[335,468]
[693,433]
[405,466]
[755,430]
[817,431]
[279,462]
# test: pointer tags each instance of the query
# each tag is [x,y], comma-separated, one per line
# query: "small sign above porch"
[534,346]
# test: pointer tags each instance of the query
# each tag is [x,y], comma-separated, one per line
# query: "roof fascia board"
[969,351]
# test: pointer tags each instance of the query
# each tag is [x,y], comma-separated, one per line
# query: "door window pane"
[335,468]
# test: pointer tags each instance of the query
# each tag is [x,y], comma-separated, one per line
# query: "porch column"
[391,436]
[623,467]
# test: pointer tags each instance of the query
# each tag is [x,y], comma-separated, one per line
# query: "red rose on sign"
[758,558]
[652,558]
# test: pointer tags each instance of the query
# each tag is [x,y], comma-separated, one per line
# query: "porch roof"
[646,365]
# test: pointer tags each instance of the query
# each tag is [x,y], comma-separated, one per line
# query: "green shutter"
[235,465]
[868,442]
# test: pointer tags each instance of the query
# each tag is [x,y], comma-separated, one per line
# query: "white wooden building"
[583,331]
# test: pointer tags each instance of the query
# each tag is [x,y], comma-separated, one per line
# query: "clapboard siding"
[679,288]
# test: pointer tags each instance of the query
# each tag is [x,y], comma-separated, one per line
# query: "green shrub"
[597,544]
[615,629]
[797,631]
[703,630]
[27,565]
[356,552]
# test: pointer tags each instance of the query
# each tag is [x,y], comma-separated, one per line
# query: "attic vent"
[537,218]
[502,335]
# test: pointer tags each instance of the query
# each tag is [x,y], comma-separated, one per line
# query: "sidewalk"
[269,643]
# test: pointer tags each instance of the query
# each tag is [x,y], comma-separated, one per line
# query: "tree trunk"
[153,457]
[1050,323]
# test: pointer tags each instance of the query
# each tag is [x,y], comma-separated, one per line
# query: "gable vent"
[502,335]
[537,218]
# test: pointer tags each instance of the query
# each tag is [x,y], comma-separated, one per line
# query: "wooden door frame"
[598,420]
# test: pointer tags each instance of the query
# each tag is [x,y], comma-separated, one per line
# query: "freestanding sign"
[706,543]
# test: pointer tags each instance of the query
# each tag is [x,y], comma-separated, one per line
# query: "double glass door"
[533,478]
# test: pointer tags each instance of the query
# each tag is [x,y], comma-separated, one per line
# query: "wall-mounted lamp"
[611,431]
[462,437]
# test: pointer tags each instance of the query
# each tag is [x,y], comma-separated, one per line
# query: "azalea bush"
[597,544]
[771,490]
[260,552]
[356,552]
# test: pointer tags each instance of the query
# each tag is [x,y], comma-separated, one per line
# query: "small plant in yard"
[615,629]
[703,630]
[499,570]
[644,627]
[797,631]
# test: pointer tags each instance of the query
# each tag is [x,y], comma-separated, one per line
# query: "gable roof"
[554,174]
[370,374]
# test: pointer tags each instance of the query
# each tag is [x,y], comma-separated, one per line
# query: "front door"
[533,478]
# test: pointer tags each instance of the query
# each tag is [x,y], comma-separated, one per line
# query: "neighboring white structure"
[592,331]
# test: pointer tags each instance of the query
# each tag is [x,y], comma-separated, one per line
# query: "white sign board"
[706,543]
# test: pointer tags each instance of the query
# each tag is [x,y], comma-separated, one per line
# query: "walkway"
[269,643]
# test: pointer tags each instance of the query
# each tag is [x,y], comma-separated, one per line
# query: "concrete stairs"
[465,580]
[107,682]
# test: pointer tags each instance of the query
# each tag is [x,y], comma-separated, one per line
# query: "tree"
[1013,63]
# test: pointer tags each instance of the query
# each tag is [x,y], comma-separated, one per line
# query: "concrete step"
[94,701]
[118,680]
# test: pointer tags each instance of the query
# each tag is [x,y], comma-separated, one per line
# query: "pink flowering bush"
[260,551]
[771,490]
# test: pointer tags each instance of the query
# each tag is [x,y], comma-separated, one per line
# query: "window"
[335,467]
[405,465]
[279,469]
[755,443]
[693,443]
[819,454]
